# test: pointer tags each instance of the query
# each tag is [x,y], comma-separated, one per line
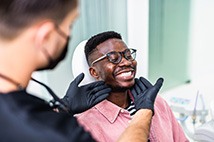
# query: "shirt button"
[122,110]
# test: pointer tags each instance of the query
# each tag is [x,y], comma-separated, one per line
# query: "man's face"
[119,76]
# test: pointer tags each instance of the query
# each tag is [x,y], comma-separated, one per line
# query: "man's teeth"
[126,74]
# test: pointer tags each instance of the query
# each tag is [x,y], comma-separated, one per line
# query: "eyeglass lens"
[116,57]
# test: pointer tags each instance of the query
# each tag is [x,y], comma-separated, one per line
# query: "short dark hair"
[18,14]
[95,40]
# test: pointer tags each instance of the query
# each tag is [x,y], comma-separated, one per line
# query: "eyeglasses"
[116,57]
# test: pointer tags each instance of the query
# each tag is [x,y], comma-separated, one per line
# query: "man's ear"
[93,72]
[43,34]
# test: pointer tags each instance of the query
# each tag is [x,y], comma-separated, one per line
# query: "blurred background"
[174,40]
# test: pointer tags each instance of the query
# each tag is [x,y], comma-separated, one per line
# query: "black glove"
[79,99]
[144,93]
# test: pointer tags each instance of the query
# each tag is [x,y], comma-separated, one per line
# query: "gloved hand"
[79,99]
[144,93]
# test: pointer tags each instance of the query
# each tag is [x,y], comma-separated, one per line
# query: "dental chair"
[80,65]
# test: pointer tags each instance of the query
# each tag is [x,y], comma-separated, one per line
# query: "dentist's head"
[34,36]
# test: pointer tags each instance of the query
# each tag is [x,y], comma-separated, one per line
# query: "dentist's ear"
[43,40]
[43,34]
[93,73]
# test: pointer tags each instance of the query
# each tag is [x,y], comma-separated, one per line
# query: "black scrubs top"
[24,117]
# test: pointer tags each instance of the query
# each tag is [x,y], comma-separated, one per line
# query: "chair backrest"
[79,64]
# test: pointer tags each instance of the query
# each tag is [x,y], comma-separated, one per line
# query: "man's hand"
[144,93]
[79,99]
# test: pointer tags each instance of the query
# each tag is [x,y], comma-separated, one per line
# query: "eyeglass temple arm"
[102,57]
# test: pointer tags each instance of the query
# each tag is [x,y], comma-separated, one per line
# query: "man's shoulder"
[160,100]
[161,104]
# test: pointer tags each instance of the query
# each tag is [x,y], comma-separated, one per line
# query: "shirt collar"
[109,110]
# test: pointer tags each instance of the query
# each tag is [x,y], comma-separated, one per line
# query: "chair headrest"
[79,64]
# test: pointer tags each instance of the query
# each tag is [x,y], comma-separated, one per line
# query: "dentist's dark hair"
[19,14]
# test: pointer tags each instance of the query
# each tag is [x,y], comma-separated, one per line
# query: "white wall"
[202,46]
[138,19]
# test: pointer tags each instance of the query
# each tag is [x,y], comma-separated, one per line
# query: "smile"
[125,75]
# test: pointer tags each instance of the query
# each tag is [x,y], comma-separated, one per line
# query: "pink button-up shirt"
[106,122]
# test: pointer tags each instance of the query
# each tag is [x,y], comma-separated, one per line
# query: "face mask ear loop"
[57,101]
[47,55]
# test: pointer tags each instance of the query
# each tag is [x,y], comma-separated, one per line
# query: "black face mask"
[54,62]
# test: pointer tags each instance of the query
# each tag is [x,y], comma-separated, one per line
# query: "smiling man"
[112,61]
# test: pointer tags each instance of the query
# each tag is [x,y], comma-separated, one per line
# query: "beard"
[119,88]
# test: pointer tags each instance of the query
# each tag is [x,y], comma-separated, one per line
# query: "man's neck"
[119,98]
[14,67]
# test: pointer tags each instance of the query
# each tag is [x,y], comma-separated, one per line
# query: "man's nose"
[125,62]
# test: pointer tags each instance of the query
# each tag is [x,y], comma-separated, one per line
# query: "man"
[112,61]
[34,36]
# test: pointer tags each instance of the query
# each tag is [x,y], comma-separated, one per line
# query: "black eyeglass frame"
[123,53]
